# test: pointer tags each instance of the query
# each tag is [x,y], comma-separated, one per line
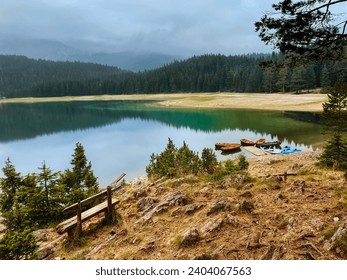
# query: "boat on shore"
[218,146]
[229,148]
[278,150]
[246,142]
[262,143]
[288,150]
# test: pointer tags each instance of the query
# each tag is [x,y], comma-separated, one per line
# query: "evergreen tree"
[10,184]
[187,161]
[208,160]
[282,82]
[335,116]
[309,78]
[306,30]
[51,193]
[297,80]
[79,182]
[325,79]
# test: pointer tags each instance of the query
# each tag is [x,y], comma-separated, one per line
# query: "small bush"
[18,245]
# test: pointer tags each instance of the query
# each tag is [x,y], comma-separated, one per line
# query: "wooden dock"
[255,151]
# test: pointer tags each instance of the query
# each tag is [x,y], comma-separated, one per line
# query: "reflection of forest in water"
[24,121]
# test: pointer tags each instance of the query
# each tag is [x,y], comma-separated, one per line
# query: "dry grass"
[297,216]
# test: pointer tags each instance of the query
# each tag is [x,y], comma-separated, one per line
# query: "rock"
[177,198]
[190,237]
[336,219]
[140,193]
[219,206]
[146,202]
[298,186]
[212,225]
[172,199]
[338,239]
[245,206]
[232,220]
[191,209]
[41,235]
[160,190]
[240,179]
[49,249]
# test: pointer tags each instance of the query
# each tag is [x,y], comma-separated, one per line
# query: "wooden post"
[79,218]
[109,203]
[285,176]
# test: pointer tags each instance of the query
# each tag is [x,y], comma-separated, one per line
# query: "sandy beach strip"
[311,102]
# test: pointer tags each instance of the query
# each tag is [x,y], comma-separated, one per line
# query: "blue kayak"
[288,150]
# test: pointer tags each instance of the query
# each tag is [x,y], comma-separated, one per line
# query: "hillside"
[191,218]
[21,77]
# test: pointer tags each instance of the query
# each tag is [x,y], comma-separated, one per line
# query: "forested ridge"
[22,77]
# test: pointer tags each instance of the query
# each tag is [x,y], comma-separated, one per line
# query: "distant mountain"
[37,49]
[57,51]
[127,60]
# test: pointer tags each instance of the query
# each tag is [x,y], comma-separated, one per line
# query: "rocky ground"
[237,218]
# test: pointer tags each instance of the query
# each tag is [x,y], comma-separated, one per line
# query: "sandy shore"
[291,102]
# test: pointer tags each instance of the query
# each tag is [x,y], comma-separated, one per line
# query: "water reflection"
[120,136]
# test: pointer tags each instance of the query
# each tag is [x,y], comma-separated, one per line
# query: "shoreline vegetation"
[310,102]
[193,218]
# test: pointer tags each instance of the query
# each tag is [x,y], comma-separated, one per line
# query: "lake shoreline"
[311,102]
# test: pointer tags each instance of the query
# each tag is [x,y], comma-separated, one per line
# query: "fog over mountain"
[58,51]
[130,34]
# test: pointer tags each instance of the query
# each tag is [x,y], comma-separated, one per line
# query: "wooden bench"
[284,175]
[73,225]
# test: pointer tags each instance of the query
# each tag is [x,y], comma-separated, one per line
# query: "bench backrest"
[101,195]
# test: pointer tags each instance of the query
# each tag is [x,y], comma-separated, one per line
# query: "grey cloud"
[178,26]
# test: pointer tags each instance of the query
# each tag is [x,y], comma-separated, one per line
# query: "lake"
[120,136]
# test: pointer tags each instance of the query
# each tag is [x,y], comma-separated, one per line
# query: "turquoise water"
[119,136]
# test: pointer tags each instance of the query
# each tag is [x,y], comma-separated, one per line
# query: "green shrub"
[242,164]
[18,245]
[208,160]
[183,161]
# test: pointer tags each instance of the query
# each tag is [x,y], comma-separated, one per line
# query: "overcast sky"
[179,27]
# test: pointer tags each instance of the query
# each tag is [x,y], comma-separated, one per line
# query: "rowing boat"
[246,142]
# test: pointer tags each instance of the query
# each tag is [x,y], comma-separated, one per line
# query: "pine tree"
[297,80]
[209,160]
[325,79]
[283,79]
[10,184]
[79,182]
[335,116]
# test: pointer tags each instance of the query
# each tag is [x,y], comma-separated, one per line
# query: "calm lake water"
[120,136]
